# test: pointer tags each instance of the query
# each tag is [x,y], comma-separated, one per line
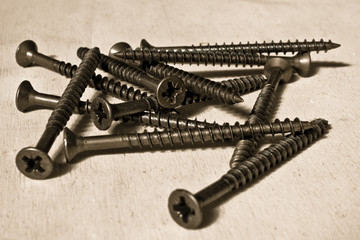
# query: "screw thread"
[193,57]
[270,47]
[191,97]
[118,90]
[251,168]
[106,85]
[241,85]
[73,92]
[120,69]
[264,104]
[246,83]
[244,149]
[212,134]
[169,121]
[197,84]
[66,69]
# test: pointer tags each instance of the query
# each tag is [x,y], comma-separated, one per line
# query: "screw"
[246,83]
[103,113]
[28,99]
[265,47]
[168,121]
[187,209]
[170,91]
[74,144]
[27,55]
[205,87]
[204,57]
[34,162]
[276,69]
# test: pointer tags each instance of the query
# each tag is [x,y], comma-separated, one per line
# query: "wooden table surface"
[123,195]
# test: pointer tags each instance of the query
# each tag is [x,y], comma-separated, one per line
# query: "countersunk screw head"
[117,47]
[145,44]
[34,163]
[70,144]
[101,113]
[23,94]
[302,64]
[185,209]
[171,92]
[280,63]
[24,53]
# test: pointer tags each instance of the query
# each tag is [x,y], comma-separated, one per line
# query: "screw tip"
[184,209]
[238,99]
[34,163]
[334,45]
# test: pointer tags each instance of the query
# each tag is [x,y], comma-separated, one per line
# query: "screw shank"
[213,192]
[45,61]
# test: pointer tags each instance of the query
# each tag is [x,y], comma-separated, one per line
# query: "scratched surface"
[123,194]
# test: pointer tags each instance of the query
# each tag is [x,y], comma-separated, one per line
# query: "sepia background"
[123,195]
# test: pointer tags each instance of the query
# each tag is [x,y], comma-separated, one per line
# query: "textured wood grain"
[315,195]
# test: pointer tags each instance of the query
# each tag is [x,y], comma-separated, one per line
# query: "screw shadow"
[317,65]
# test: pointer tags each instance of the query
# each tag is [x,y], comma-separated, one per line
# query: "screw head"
[145,44]
[185,209]
[23,95]
[170,92]
[302,64]
[71,147]
[119,47]
[34,163]
[278,63]
[101,113]
[24,53]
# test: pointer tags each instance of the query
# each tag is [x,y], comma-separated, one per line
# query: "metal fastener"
[201,57]
[27,99]
[265,47]
[27,55]
[74,144]
[34,162]
[170,91]
[187,209]
[276,70]
[103,113]
[198,85]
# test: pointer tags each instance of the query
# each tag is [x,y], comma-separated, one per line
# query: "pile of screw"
[147,67]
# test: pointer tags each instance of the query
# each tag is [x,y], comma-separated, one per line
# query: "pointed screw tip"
[238,99]
[335,45]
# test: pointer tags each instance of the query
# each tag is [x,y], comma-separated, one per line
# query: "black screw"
[74,144]
[170,91]
[103,113]
[34,162]
[187,209]
[276,70]
[168,121]
[201,86]
[27,55]
[27,99]
[265,47]
[204,57]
